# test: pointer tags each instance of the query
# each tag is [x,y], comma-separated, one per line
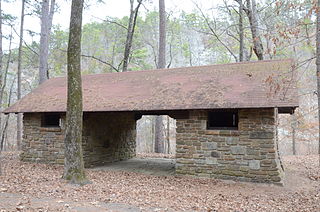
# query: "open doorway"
[155,147]
[148,159]
[156,136]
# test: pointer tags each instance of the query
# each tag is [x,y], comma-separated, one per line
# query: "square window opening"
[223,120]
[50,120]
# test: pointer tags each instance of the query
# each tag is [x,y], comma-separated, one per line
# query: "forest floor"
[39,187]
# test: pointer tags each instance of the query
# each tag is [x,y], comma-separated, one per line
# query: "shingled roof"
[262,84]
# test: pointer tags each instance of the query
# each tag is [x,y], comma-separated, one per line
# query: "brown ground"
[39,187]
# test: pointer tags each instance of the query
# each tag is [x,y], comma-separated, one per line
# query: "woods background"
[231,31]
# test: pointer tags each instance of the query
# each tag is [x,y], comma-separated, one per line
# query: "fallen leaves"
[3,189]
[162,193]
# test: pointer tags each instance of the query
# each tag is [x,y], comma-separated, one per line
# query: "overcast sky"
[114,8]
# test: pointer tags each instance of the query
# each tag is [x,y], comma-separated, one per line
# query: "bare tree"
[4,74]
[130,32]
[159,129]
[1,55]
[293,127]
[74,166]
[162,35]
[241,31]
[251,11]
[46,24]
[19,116]
[1,52]
[215,34]
[318,68]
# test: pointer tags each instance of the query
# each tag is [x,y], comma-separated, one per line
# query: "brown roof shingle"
[236,85]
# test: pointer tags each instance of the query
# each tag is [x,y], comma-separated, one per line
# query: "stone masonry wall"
[107,137]
[39,144]
[246,154]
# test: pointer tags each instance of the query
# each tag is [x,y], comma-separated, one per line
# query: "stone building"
[226,117]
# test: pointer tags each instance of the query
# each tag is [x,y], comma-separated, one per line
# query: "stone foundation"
[107,137]
[246,154]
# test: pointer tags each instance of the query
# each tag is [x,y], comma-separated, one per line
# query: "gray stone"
[261,135]
[209,146]
[232,140]
[211,161]
[215,154]
[254,164]
[238,150]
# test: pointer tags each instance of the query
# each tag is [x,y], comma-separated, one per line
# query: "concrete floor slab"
[150,166]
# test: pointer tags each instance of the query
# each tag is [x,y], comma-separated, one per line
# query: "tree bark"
[4,77]
[46,24]
[293,127]
[130,33]
[168,134]
[19,116]
[1,52]
[1,65]
[74,166]
[162,35]
[159,138]
[1,76]
[251,11]
[241,31]
[318,68]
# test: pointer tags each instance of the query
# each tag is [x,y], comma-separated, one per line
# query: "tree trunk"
[159,138]
[318,68]
[19,116]
[1,76]
[241,31]
[6,123]
[130,33]
[168,134]
[293,127]
[46,24]
[1,52]
[251,11]
[162,35]
[74,166]
[2,89]
[1,65]
[159,141]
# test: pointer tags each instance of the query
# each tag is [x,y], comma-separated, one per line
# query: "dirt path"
[39,187]
[16,202]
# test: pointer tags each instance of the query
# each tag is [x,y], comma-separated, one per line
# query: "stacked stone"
[107,137]
[246,154]
[40,144]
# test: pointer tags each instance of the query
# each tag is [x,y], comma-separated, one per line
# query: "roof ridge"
[187,67]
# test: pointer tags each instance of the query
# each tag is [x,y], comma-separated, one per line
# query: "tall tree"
[251,12]
[241,31]
[293,127]
[318,68]
[162,35]
[130,33]
[74,166]
[46,24]
[1,52]
[1,56]
[159,128]
[19,116]
[4,76]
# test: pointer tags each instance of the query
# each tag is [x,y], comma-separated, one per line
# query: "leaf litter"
[301,191]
